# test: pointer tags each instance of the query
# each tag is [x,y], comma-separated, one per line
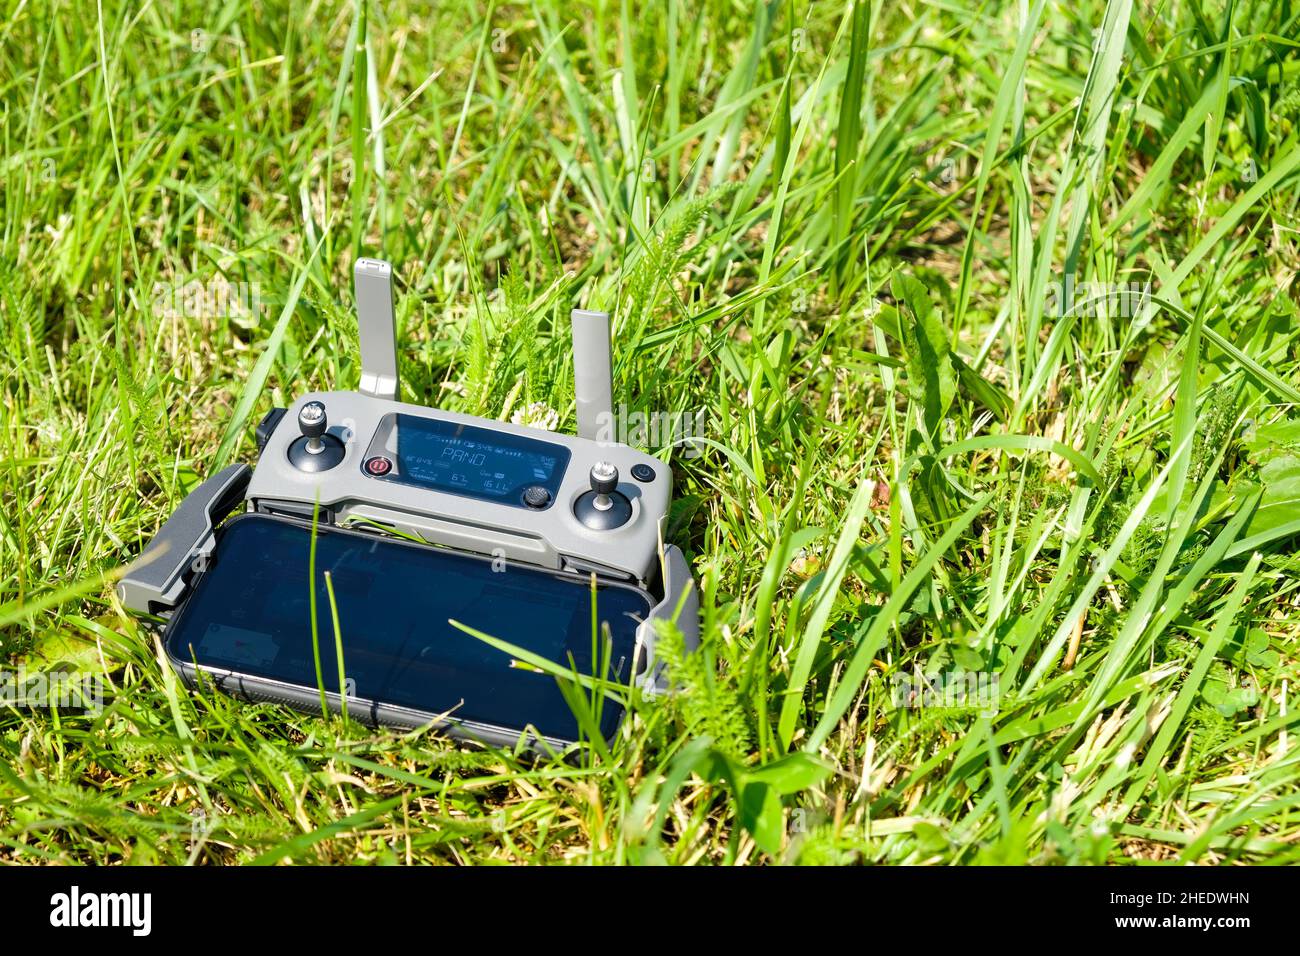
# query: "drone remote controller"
[564,512]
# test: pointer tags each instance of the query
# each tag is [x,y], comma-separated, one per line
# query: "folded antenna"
[592,374]
[373,280]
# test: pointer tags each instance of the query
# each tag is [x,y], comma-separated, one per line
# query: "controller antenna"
[373,281]
[592,375]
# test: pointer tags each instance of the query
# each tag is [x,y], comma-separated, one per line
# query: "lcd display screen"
[250,613]
[476,462]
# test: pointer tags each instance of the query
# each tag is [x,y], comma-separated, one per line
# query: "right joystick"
[604,479]
[603,508]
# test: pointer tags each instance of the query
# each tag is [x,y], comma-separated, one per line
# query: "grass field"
[989,313]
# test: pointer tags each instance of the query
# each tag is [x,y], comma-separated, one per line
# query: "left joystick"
[312,423]
[315,450]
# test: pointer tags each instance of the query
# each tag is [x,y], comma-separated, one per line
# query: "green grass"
[841,234]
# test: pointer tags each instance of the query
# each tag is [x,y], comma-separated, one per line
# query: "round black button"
[535,496]
[378,466]
[643,473]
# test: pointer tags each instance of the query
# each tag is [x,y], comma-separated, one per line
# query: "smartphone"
[248,625]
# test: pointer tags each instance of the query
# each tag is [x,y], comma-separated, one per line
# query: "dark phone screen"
[250,613]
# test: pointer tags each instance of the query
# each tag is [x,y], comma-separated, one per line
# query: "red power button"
[378,466]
